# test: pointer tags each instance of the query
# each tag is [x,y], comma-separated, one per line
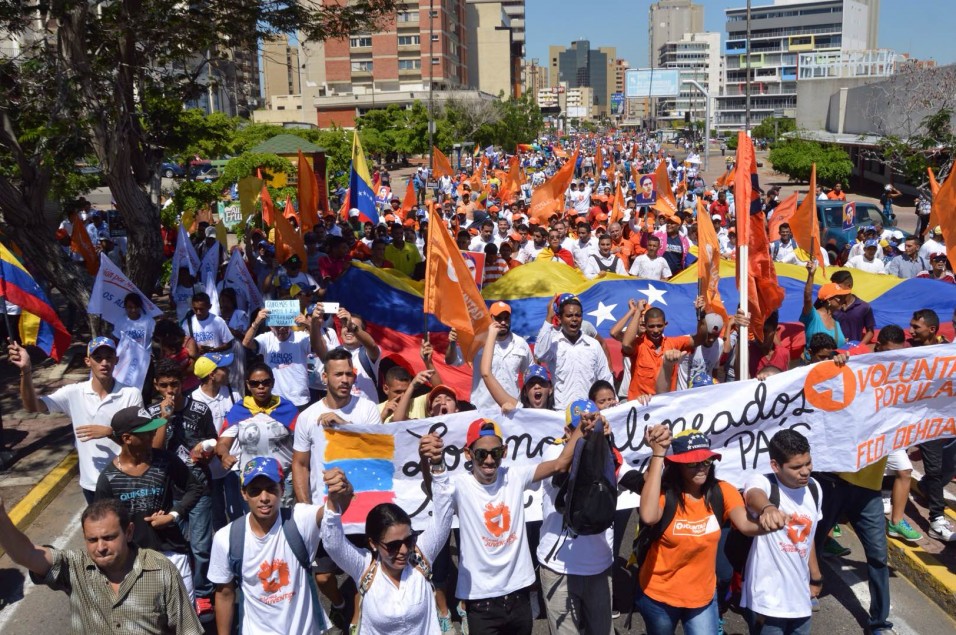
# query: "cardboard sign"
[282,312]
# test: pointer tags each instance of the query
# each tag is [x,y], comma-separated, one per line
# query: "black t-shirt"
[186,428]
[149,493]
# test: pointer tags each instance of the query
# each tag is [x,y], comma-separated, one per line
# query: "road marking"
[861,589]
[61,542]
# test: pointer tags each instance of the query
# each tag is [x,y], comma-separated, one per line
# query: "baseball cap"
[691,446]
[134,420]
[536,371]
[210,362]
[354,212]
[714,322]
[498,308]
[210,232]
[831,290]
[887,187]
[938,229]
[937,255]
[483,427]
[871,243]
[262,466]
[437,390]
[293,260]
[514,236]
[572,414]
[98,342]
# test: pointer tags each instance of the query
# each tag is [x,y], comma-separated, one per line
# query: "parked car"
[836,233]
[172,170]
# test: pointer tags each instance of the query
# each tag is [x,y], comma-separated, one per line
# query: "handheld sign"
[282,312]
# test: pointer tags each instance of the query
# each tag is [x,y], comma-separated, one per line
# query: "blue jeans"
[863,508]
[766,625]
[199,531]
[662,619]
[232,489]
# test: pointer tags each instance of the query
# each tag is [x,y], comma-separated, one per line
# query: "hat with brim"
[831,290]
[135,420]
[691,446]
[438,390]
[210,362]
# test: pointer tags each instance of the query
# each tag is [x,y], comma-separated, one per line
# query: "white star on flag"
[654,294]
[603,313]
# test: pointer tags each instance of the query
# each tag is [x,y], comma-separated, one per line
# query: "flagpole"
[6,456]
[743,343]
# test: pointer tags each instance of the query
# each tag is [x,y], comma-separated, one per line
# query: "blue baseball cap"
[210,362]
[262,466]
[572,414]
[871,243]
[98,342]
[536,371]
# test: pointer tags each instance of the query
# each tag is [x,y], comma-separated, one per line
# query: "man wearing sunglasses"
[495,569]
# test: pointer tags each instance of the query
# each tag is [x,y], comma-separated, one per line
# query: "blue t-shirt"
[814,324]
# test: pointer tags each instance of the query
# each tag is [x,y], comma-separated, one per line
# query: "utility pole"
[431,89]
[747,115]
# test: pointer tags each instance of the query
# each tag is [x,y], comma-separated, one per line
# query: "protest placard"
[282,312]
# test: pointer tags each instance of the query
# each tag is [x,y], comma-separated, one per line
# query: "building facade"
[496,58]
[280,68]
[580,66]
[697,57]
[669,20]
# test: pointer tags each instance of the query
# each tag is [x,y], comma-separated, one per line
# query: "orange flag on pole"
[451,294]
[410,200]
[268,208]
[308,195]
[944,205]
[618,206]
[805,225]
[548,199]
[442,164]
[708,263]
[598,161]
[81,243]
[289,211]
[765,295]
[288,241]
[743,186]
[782,213]
[666,204]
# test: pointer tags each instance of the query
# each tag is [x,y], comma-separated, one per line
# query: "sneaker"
[338,618]
[940,529]
[887,506]
[463,614]
[615,614]
[720,626]
[837,532]
[903,531]
[445,623]
[833,549]
[204,607]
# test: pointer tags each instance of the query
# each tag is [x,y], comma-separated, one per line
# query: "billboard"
[638,82]
[617,104]
[577,112]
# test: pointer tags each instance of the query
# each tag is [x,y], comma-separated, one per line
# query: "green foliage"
[731,141]
[191,196]
[934,147]
[765,129]
[795,157]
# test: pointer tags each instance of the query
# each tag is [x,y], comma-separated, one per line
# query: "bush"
[794,158]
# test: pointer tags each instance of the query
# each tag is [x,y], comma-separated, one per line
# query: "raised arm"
[405,402]
[20,548]
[316,339]
[634,329]
[20,358]
[562,464]
[617,331]
[659,439]
[249,339]
[500,395]
[808,288]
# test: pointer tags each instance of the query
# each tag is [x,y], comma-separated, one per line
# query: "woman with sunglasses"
[678,578]
[394,574]
[259,425]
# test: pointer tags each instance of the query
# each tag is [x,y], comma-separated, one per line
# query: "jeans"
[766,625]
[217,490]
[235,505]
[863,508]
[577,603]
[939,465]
[504,615]
[198,528]
[88,495]
[662,619]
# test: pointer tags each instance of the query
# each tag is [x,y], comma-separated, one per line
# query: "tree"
[772,127]
[794,157]
[109,79]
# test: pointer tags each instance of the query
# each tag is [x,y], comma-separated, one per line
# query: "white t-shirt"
[512,357]
[495,558]
[703,361]
[275,589]
[218,406]
[777,578]
[84,407]
[212,331]
[364,383]
[287,360]
[580,555]
[140,331]
[182,297]
[872,266]
[644,267]
[307,430]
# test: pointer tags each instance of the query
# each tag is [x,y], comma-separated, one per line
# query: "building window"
[435,38]
[434,61]
[363,66]
[360,41]
[409,40]
[408,16]
[409,65]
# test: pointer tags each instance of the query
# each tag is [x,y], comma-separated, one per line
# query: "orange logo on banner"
[497,518]
[824,397]
[798,529]
[273,575]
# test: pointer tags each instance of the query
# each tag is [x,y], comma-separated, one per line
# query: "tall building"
[280,68]
[230,81]
[535,77]
[581,66]
[779,34]
[669,20]
[697,57]
[495,59]
[344,78]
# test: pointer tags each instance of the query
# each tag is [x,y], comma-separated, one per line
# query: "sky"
[922,28]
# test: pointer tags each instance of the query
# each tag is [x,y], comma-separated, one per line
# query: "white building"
[697,57]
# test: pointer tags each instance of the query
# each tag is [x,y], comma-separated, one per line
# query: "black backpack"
[587,494]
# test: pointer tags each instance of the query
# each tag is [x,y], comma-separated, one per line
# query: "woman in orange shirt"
[678,578]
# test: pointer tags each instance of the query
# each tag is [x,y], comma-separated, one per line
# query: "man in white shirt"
[650,265]
[529,252]
[575,360]
[579,197]
[781,250]
[933,244]
[868,260]
[484,237]
[366,355]
[210,331]
[90,405]
[585,246]
[603,260]
[782,575]
[495,568]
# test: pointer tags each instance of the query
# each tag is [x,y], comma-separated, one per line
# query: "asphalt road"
[26,609]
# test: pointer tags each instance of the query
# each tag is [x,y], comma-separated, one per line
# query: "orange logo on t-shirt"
[798,529]
[497,518]
[273,575]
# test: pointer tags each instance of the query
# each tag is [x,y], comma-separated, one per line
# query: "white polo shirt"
[84,407]
[574,366]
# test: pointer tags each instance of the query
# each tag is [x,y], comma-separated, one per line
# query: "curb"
[925,572]
[43,493]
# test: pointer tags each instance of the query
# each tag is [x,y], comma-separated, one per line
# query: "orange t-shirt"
[646,362]
[681,567]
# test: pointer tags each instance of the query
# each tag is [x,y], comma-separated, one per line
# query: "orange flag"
[308,194]
[289,211]
[288,241]
[81,243]
[765,295]
[782,213]
[743,186]
[805,225]
[666,204]
[451,294]
[548,199]
[268,208]
[618,206]
[944,204]
[344,209]
[933,210]
[410,200]
[708,262]
[725,178]
[442,164]
[598,161]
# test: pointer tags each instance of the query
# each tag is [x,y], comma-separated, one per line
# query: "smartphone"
[330,308]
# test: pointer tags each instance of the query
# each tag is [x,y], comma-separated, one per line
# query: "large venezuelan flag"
[39,324]
[361,193]
[367,461]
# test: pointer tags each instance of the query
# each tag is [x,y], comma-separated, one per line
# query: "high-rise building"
[495,57]
[535,77]
[697,58]
[669,20]
[230,77]
[581,66]
[280,68]
[779,33]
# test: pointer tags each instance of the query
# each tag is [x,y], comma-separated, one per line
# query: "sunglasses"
[394,546]
[481,454]
[259,383]
[699,464]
